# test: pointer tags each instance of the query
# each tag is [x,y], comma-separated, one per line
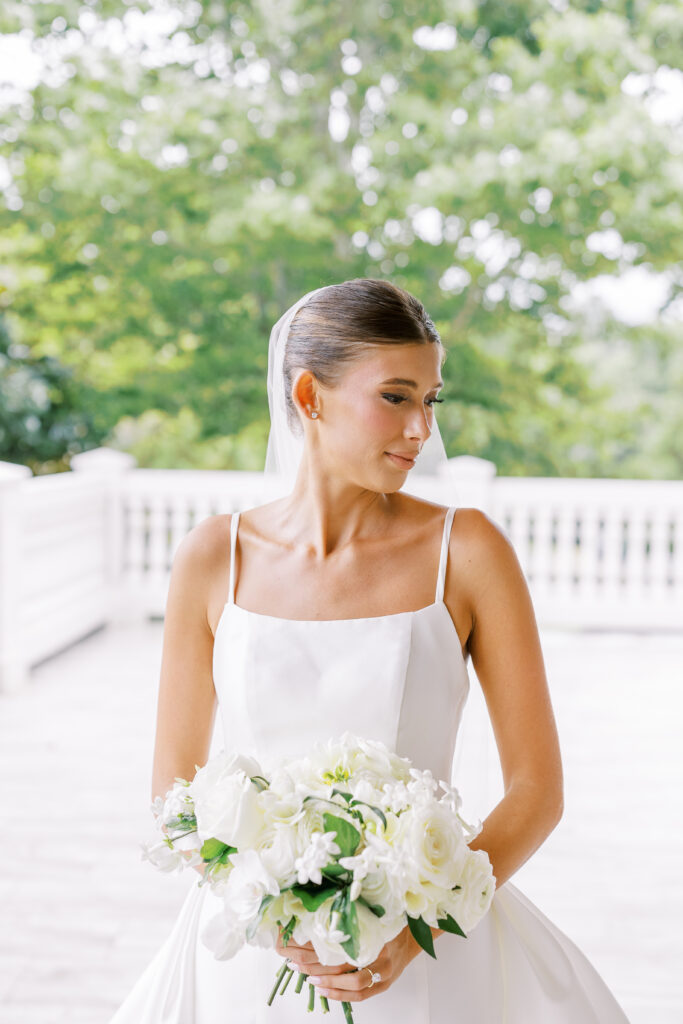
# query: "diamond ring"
[374,976]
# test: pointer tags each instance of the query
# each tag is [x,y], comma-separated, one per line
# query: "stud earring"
[314,415]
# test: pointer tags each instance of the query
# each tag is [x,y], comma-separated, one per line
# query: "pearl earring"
[314,415]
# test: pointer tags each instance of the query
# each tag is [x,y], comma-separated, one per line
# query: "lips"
[406,461]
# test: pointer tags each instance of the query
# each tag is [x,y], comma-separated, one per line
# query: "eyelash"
[401,398]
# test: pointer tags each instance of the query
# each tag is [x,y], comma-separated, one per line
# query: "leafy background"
[176,174]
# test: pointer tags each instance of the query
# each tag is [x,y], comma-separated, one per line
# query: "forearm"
[514,830]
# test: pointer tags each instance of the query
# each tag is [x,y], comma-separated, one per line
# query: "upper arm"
[187,701]
[506,653]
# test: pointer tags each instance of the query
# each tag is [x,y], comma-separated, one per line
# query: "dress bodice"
[283,684]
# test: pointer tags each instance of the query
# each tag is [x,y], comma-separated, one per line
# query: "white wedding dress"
[404,681]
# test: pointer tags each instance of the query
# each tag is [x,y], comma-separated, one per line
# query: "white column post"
[472,479]
[109,467]
[14,662]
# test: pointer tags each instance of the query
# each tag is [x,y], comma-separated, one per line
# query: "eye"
[397,399]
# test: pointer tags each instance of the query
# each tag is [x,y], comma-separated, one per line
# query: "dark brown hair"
[341,321]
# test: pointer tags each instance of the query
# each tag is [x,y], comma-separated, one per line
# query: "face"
[370,420]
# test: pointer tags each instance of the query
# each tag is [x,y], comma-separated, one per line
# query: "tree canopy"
[179,173]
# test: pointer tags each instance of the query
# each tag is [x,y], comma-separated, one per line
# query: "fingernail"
[314,979]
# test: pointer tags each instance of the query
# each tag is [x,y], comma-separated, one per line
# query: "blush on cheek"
[377,423]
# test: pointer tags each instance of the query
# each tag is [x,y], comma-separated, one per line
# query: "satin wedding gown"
[404,681]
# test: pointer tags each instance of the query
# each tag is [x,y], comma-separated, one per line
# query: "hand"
[304,959]
[345,981]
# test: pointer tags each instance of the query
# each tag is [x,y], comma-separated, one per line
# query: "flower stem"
[300,982]
[276,986]
[288,978]
[348,1012]
[311,997]
[324,1003]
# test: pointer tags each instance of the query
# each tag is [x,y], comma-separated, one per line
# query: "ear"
[304,392]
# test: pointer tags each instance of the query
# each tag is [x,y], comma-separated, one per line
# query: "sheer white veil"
[475,767]
[284,450]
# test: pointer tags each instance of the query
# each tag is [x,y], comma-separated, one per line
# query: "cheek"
[377,417]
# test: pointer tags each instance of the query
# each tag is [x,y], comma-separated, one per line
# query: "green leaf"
[374,907]
[213,849]
[342,793]
[372,807]
[182,821]
[313,897]
[347,838]
[348,922]
[333,870]
[449,924]
[422,934]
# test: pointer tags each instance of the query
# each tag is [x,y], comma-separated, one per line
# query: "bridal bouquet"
[341,848]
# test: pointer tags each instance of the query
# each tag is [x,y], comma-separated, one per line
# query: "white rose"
[375,932]
[433,835]
[226,802]
[313,820]
[471,902]
[281,808]
[380,889]
[278,853]
[247,884]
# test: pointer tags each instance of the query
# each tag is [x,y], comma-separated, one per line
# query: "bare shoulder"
[484,535]
[480,548]
[202,560]
[204,543]
[481,563]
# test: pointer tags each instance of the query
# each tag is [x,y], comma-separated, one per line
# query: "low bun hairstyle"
[340,321]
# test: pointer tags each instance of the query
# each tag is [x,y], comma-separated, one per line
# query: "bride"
[351,604]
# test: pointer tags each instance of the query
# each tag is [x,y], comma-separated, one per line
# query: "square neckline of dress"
[438,601]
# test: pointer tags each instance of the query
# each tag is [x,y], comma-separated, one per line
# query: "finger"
[304,958]
[318,969]
[350,995]
[352,980]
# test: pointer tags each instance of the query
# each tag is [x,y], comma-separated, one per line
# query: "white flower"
[223,934]
[157,807]
[395,795]
[177,801]
[360,865]
[422,786]
[162,856]
[282,808]
[246,886]
[451,796]
[471,902]
[226,800]
[317,855]
[277,850]
[435,840]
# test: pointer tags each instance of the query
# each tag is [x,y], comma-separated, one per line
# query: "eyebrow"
[409,383]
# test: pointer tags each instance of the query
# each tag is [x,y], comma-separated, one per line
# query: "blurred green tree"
[182,172]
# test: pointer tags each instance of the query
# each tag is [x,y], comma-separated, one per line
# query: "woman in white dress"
[358,607]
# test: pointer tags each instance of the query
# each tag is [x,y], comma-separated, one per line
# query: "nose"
[419,425]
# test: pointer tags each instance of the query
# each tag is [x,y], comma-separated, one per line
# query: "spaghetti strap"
[441,577]
[233,537]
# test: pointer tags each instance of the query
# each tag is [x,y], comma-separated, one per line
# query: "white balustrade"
[96,545]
